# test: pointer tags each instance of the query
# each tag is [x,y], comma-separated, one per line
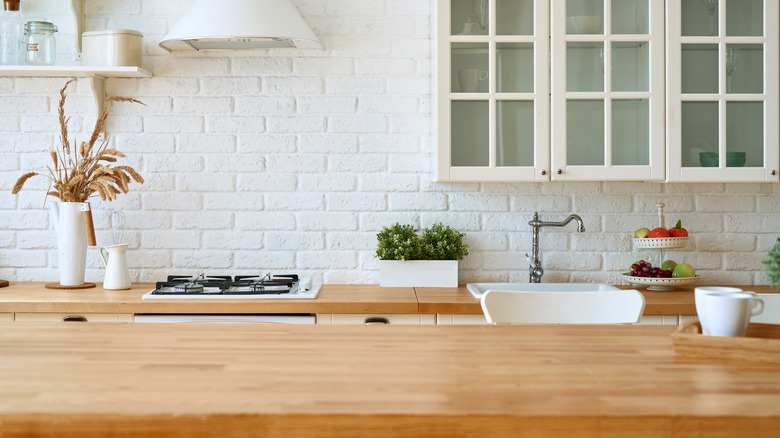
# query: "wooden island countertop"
[280,380]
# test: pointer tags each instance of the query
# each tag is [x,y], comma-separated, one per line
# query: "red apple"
[658,232]
[678,230]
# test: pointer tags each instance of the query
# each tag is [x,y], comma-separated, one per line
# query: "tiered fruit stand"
[660,244]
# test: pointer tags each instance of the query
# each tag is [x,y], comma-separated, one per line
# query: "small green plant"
[439,242]
[772,264]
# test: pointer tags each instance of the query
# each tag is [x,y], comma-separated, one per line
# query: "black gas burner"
[251,285]
[227,285]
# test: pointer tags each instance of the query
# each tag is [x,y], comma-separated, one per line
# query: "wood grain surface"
[104,379]
[333,298]
[761,343]
[33,297]
[59,286]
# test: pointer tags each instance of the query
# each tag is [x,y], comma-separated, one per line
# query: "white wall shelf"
[77,7]
[73,71]
[97,76]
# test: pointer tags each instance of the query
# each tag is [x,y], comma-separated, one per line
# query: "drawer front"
[5,317]
[59,317]
[460,319]
[370,319]
[659,320]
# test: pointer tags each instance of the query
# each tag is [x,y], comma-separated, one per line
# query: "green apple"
[641,233]
[683,270]
[668,265]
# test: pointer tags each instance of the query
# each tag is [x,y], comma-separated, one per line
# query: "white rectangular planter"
[418,273]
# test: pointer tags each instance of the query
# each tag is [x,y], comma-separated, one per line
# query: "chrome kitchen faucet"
[533,260]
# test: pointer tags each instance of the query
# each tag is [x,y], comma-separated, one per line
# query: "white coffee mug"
[699,293]
[469,79]
[728,314]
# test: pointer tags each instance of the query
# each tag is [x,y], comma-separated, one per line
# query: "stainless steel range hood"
[240,24]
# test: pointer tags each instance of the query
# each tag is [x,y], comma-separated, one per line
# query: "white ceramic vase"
[71,241]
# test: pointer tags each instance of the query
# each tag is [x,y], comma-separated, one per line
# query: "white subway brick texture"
[293,160]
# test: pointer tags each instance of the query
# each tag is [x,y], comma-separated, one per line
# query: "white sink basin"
[477,289]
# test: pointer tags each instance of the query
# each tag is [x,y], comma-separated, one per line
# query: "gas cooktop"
[240,287]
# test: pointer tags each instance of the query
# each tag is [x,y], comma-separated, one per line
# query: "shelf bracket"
[77,7]
[98,85]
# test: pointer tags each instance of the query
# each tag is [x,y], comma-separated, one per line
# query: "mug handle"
[483,75]
[757,302]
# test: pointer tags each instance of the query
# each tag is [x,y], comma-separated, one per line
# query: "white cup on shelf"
[728,314]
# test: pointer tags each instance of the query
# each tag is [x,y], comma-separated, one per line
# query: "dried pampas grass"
[81,172]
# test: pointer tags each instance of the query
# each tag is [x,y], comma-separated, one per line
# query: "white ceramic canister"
[112,48]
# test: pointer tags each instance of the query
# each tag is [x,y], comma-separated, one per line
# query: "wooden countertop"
[676,302]
[280,380]
[34,297]
[333,298]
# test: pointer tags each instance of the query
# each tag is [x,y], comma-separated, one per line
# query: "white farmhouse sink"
[477,289]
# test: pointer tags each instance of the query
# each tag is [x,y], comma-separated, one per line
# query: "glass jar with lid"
[39,43]
[11,25]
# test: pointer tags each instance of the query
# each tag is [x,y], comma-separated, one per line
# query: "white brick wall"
[293,160]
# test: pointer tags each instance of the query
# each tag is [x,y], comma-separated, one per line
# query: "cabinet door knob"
[559,171]
[76,318]
[544,171]
[773,172]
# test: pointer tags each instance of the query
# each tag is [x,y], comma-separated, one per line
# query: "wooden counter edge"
[380,424]
[32,297]
[333,299]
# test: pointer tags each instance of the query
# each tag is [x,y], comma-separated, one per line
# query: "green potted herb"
[772,264]
[408,259]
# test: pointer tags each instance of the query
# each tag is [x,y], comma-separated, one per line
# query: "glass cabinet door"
[723,90]
[607,90]
[492,90]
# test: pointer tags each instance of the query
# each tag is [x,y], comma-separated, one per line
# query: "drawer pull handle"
[371,320]
[74,318]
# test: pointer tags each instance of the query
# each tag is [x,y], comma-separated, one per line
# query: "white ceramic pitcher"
[71,241]
[117,273]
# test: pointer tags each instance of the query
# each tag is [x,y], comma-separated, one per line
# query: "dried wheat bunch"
[76,173]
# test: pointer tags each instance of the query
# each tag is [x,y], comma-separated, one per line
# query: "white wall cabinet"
[492,90]
[607,90]
[722,60]
[627,102]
